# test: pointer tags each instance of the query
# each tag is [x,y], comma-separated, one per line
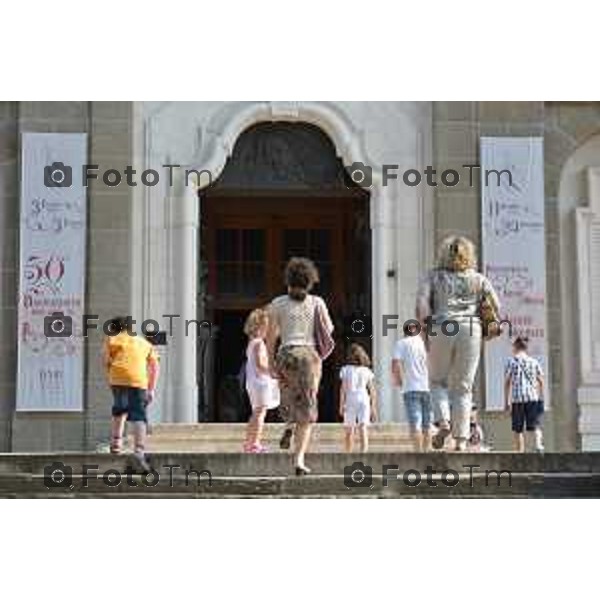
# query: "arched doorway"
[283,192]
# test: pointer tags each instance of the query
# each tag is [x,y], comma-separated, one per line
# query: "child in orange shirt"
[132,370]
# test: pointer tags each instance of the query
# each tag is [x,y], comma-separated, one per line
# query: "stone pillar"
[9,265]
[588,287]
[382,240]
[182,407]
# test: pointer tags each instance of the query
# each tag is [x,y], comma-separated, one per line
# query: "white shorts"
[264,394]
[357,412]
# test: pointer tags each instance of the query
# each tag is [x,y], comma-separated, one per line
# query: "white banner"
[513,250]
[52,272]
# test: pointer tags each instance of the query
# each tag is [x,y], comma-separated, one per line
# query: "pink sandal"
[255,448]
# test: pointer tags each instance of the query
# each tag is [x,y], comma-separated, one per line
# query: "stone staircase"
[204,461]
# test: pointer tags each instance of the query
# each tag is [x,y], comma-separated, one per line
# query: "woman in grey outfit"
[451,295]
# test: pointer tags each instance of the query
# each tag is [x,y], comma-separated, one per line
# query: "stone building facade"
[146,251]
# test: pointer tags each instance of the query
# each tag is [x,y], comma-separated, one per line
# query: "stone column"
[9,264]
[382,240]
[588,284]
[182,407]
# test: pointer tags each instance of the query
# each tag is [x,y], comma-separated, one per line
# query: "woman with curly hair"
[451,295]
[293,320]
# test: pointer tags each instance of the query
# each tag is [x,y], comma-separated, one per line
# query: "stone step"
[279,464]
[271,475]
[227,431]
[522,485]
[229,437]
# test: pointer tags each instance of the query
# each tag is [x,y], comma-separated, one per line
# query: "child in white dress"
[358,400]
[262,389]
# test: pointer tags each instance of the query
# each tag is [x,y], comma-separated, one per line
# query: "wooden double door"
[246,244]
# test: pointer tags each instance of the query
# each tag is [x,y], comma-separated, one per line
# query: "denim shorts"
[129,401]
[418,410]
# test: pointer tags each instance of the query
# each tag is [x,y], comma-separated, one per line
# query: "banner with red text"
[52,272]
[513,250]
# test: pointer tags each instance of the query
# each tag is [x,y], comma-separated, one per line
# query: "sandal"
[439,439]
[116,446]
[286,439]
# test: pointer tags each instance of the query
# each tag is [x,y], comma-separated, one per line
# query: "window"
[240,262]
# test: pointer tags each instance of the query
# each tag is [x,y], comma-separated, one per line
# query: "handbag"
[324,342]
[490,320]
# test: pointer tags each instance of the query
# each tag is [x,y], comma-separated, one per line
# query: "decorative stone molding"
[588,280]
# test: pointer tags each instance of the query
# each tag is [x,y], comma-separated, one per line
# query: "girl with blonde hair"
[261,387]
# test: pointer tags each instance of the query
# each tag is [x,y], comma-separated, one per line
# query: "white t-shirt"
[355,379]
[411,353]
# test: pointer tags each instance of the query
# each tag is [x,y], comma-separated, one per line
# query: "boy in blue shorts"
[523,390]
[132,370]
[409,370]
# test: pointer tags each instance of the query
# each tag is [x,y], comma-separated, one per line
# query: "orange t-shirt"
[127,359]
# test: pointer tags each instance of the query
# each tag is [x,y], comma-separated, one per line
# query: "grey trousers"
[453,363]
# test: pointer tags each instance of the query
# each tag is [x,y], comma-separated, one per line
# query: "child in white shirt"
[358,399]
[262,389]
[409,371]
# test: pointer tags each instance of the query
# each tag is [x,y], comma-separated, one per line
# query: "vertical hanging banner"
[513,250]
[52,272]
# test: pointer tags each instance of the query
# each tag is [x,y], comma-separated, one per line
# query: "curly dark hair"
[301,274]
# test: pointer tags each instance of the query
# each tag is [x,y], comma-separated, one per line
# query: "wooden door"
[247,244]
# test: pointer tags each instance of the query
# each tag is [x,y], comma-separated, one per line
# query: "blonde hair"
[357,355]
[456,253]
[256,319]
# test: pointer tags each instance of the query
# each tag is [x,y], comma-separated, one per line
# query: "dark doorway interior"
[283,193]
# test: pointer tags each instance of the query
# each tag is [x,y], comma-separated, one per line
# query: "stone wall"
[142,134]
[569,126]
[108,272]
